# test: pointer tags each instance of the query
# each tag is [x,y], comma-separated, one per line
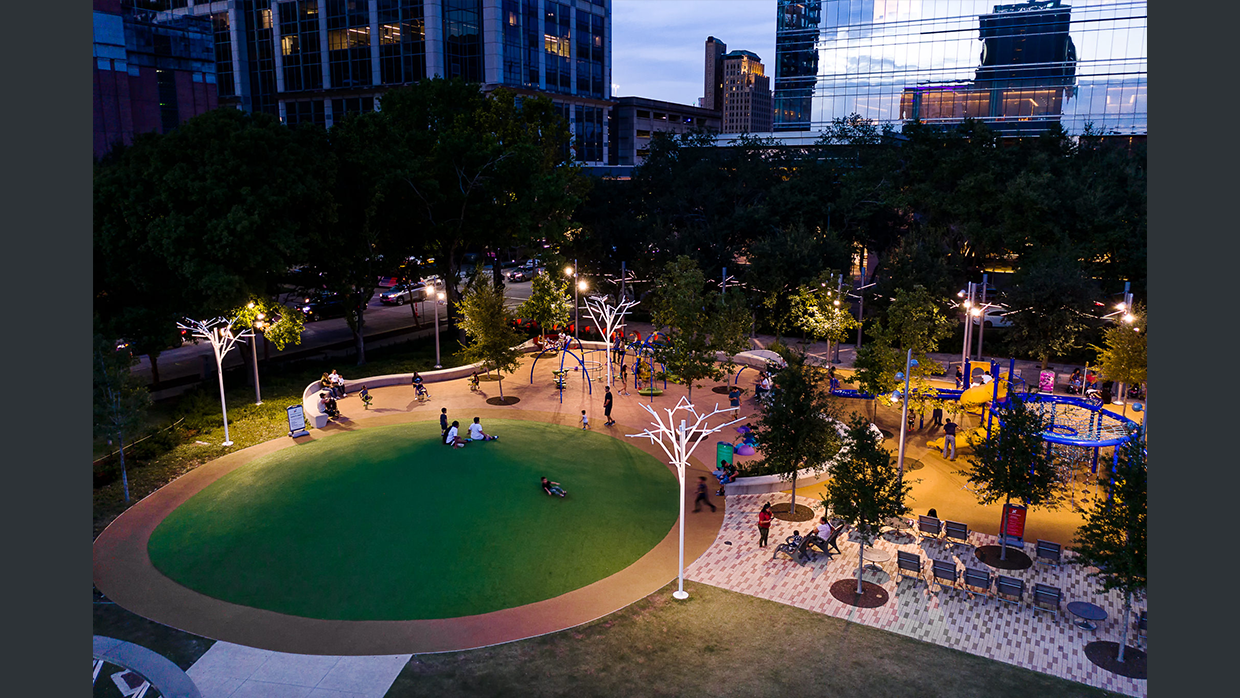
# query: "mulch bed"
[506,400]
[1105,655]
[912,464]
[871,596]
[1016,560]
[721,389]
[802,513]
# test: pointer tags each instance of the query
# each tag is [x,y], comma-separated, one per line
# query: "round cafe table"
[875,556]
[1088,613]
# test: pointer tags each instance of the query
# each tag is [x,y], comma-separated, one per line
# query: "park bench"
[827,545]
[956,533]
[945,571]
[1009,587]
[1048,552]
[976,579]
[909,562]
[1046,598]
[929,526]
[800,553]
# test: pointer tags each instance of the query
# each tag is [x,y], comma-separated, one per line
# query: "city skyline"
[658,46]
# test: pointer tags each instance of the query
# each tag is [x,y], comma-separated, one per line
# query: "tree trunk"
[1003,530]
[860,563]
[501,388]
[1127,617]
[154,357]
[792,503]
[120,439]
[360,341]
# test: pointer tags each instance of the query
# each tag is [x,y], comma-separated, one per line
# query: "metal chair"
[1010,587]
[1048,552]
[977,579]
[909,562]
[1045,595]
[945,570]
[929,527]
[956,533]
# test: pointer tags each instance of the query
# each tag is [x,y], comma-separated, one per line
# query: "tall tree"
[699,323]
[820,310]
[865,489]
[1113,538]
[120,398]
[797,429]
[490,339]
[549,302]
[1048,301]
[1013,463]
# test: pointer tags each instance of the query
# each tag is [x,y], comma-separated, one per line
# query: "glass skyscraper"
[1018,67]
[318,60]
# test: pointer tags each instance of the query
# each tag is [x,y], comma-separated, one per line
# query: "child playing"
[366,398]
[585,420]
[552,487]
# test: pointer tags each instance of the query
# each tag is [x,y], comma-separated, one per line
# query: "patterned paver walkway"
[953,618]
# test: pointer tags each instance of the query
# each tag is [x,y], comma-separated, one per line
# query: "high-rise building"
[746,94]
[1018,67]
[713,88]
[149,74]
[318,60]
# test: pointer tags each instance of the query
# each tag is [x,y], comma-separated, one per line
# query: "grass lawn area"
[387,523]
[721,643]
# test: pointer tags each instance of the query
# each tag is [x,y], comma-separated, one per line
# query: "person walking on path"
[702,497]
[624,377]
[764,524]
[585,420]
[949,438]
[607,406]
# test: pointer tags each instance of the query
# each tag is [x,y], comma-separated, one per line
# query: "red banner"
[1013,523]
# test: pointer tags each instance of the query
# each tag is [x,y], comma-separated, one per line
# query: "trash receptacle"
[723,452]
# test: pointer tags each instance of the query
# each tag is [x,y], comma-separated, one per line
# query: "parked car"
[401,294]
[994,317]
[323,305]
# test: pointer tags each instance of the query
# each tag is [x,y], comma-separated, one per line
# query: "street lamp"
[909,363]
[578,286]
[258,326]
[678,443]
[438,296]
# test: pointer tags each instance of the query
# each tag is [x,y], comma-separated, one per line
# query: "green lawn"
[387,523]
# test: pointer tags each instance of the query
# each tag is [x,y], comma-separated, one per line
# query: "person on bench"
[825,537]
[552,487]
[327,406]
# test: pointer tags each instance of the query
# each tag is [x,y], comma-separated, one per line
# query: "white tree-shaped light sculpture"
[219,333]
[609,316]
[678,443]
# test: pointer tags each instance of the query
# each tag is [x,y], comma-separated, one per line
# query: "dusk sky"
[658,45]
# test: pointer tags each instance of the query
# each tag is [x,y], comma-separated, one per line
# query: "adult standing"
[607,406]
[949,438]
[734,398]
[764,524]
[702,497]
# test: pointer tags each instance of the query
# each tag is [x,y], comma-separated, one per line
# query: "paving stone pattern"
[1039,640]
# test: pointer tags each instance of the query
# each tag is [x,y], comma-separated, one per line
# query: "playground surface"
[123,569]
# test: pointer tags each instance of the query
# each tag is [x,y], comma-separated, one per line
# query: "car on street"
[322,305]
[518,275]
[994,317]
[403,293]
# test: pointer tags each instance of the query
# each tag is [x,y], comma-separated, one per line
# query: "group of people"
[332,385]
[823,532]
[451,432]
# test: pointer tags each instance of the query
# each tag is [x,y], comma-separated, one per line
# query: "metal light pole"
[437,297]
[678,443]
[258,395]
[839,290]
[968,324]
[981,327]
[861,301]
[909,363]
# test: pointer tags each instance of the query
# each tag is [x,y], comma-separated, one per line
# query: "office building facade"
[1018,67]
[746,94]
[148,75]
[319,60]
[636,119]
[712,89]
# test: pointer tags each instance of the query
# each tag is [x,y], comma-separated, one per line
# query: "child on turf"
[552,487]
[585,420]
[475,432]
[453,437]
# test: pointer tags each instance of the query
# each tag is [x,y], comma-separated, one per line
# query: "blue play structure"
[561,374]
[643,355]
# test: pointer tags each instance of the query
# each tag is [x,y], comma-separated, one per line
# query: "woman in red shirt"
[764,524]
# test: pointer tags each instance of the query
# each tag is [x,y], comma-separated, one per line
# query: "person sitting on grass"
[366,398]
[552,487]
[475,432]
[453,437]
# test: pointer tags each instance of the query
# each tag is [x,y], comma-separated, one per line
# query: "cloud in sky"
[658,46]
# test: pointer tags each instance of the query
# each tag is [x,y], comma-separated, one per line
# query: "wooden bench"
[977,579]
[1048,552]
[1009,587]
[945,570]
[909,562]
[1046,598]
[956,533]
[799,553]
[929,526]
[826,546]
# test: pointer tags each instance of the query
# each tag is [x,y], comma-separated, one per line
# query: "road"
[188,360]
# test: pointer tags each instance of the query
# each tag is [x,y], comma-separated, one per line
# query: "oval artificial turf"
[386,523]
